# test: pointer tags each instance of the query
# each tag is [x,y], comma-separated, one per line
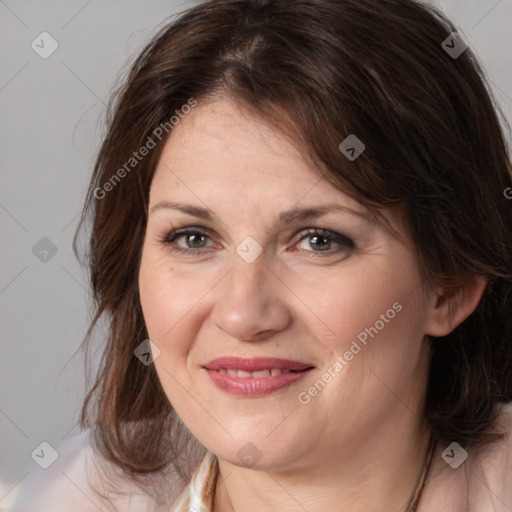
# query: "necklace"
[416,495]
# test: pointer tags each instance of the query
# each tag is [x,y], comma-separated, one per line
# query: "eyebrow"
[293,215]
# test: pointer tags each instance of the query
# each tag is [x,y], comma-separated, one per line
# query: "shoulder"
[496,460]
[63,485]
[476,480]
[491,469]
[76,481]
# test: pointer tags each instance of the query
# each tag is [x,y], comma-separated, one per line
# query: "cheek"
[381,341]
[362,302]
[172,303]
[162,305]
[167,300]
[376,352]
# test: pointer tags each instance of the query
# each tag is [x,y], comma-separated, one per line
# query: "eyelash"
[338,238]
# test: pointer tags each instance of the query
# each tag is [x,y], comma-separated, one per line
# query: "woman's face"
[251,279]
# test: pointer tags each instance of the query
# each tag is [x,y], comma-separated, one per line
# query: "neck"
[378,472]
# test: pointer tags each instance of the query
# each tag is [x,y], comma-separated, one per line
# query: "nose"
[249,303]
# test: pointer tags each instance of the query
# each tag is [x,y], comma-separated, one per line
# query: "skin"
[359,444]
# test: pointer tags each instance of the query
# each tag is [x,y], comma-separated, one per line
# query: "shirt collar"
[198,494]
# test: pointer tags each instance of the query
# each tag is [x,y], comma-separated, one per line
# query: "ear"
[452,305]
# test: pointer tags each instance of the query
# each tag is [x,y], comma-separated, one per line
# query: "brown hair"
[434,146]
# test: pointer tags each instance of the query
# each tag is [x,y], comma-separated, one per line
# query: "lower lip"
[254,386]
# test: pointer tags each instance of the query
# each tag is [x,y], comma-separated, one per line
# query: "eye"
[194,239]
[322,238]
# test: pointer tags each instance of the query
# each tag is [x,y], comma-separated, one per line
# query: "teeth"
[261,373]
[274,372]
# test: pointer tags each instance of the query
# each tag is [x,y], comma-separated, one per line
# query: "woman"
[301,239]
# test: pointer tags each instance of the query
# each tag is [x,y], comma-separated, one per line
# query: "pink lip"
[255,386]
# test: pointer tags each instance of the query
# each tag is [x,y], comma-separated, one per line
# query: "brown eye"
[195,240]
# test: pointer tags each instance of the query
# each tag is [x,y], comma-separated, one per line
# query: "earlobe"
[452,306]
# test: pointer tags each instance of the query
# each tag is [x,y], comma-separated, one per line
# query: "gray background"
[52,122]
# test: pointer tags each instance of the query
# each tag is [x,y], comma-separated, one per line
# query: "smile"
[255,377]
[274,372]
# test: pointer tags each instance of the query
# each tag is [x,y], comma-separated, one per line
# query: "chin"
[257,449]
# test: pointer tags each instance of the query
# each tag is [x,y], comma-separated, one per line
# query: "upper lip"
[255,364]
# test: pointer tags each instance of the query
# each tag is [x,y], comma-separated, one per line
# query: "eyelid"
[336,237]
[174,233]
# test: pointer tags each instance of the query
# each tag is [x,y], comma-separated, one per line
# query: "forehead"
[220,150]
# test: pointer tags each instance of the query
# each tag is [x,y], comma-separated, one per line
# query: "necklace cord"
[415,498]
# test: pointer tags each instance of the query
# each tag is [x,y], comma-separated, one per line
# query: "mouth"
[255,377]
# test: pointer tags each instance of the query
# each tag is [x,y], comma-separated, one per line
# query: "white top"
[482,483]
[72,482]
